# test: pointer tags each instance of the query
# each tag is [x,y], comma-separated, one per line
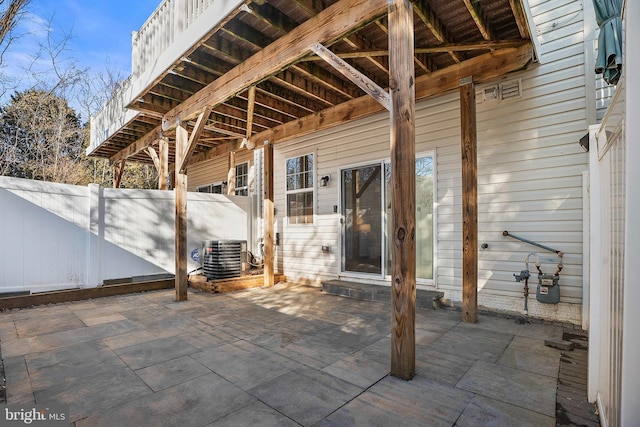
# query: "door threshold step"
[379,293]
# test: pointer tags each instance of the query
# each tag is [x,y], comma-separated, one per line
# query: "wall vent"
[490,93]
[511,89]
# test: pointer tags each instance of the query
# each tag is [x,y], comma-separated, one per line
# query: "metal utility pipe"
[522,239]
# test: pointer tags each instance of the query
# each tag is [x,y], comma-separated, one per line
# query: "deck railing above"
[112,116]
[172,29]
[166,23]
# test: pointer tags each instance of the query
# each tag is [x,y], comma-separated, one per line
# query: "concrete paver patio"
[284,356]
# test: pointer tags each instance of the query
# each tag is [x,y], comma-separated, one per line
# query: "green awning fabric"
[609,61]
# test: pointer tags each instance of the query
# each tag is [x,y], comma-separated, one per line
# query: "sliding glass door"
[366,219]
[362,220]
[424,217]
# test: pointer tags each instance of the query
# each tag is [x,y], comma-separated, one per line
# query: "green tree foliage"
[41,138]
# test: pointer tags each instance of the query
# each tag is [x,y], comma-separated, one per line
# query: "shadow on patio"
[285,356]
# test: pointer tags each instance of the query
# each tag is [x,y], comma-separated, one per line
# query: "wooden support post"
[251,105]
[268,216]
[231,175]
[181,216]
[118,171]
[403,188]
[469,201]
[163,157]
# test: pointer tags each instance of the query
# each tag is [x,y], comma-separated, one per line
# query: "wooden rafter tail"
[363,82]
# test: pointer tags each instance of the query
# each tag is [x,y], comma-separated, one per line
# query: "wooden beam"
[163,157]
[56,297]
[327,26]
[181,216]
[476,14]
[360,44]
[193,139]
[403,193]
[154,156]
[484,68]
[363,82]
[469,201]
[521,18]
[269,248]
[231,174]
[213,152]
[118,171]
[283,24]
[139,145]
[443,48]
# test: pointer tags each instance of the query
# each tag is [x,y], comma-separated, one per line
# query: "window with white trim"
[300,178]
[211,188]
[242,179]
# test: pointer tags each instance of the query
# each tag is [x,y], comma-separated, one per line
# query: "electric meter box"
[548,291]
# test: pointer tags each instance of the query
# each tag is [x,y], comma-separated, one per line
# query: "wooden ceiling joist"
[451,47]
[138,146]
[476,13]
[327,26]
[429,18]
[485,67]
[261,45]
[520,17]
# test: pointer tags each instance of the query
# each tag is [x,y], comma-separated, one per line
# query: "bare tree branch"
[9,17]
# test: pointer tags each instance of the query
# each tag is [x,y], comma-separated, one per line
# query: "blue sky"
[100,32]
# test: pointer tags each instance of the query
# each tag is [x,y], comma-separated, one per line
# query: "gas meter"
[548,291]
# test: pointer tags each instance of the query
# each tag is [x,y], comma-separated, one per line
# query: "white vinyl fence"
[56,236]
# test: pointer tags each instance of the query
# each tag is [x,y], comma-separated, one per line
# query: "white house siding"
[529,178]
[216,170]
